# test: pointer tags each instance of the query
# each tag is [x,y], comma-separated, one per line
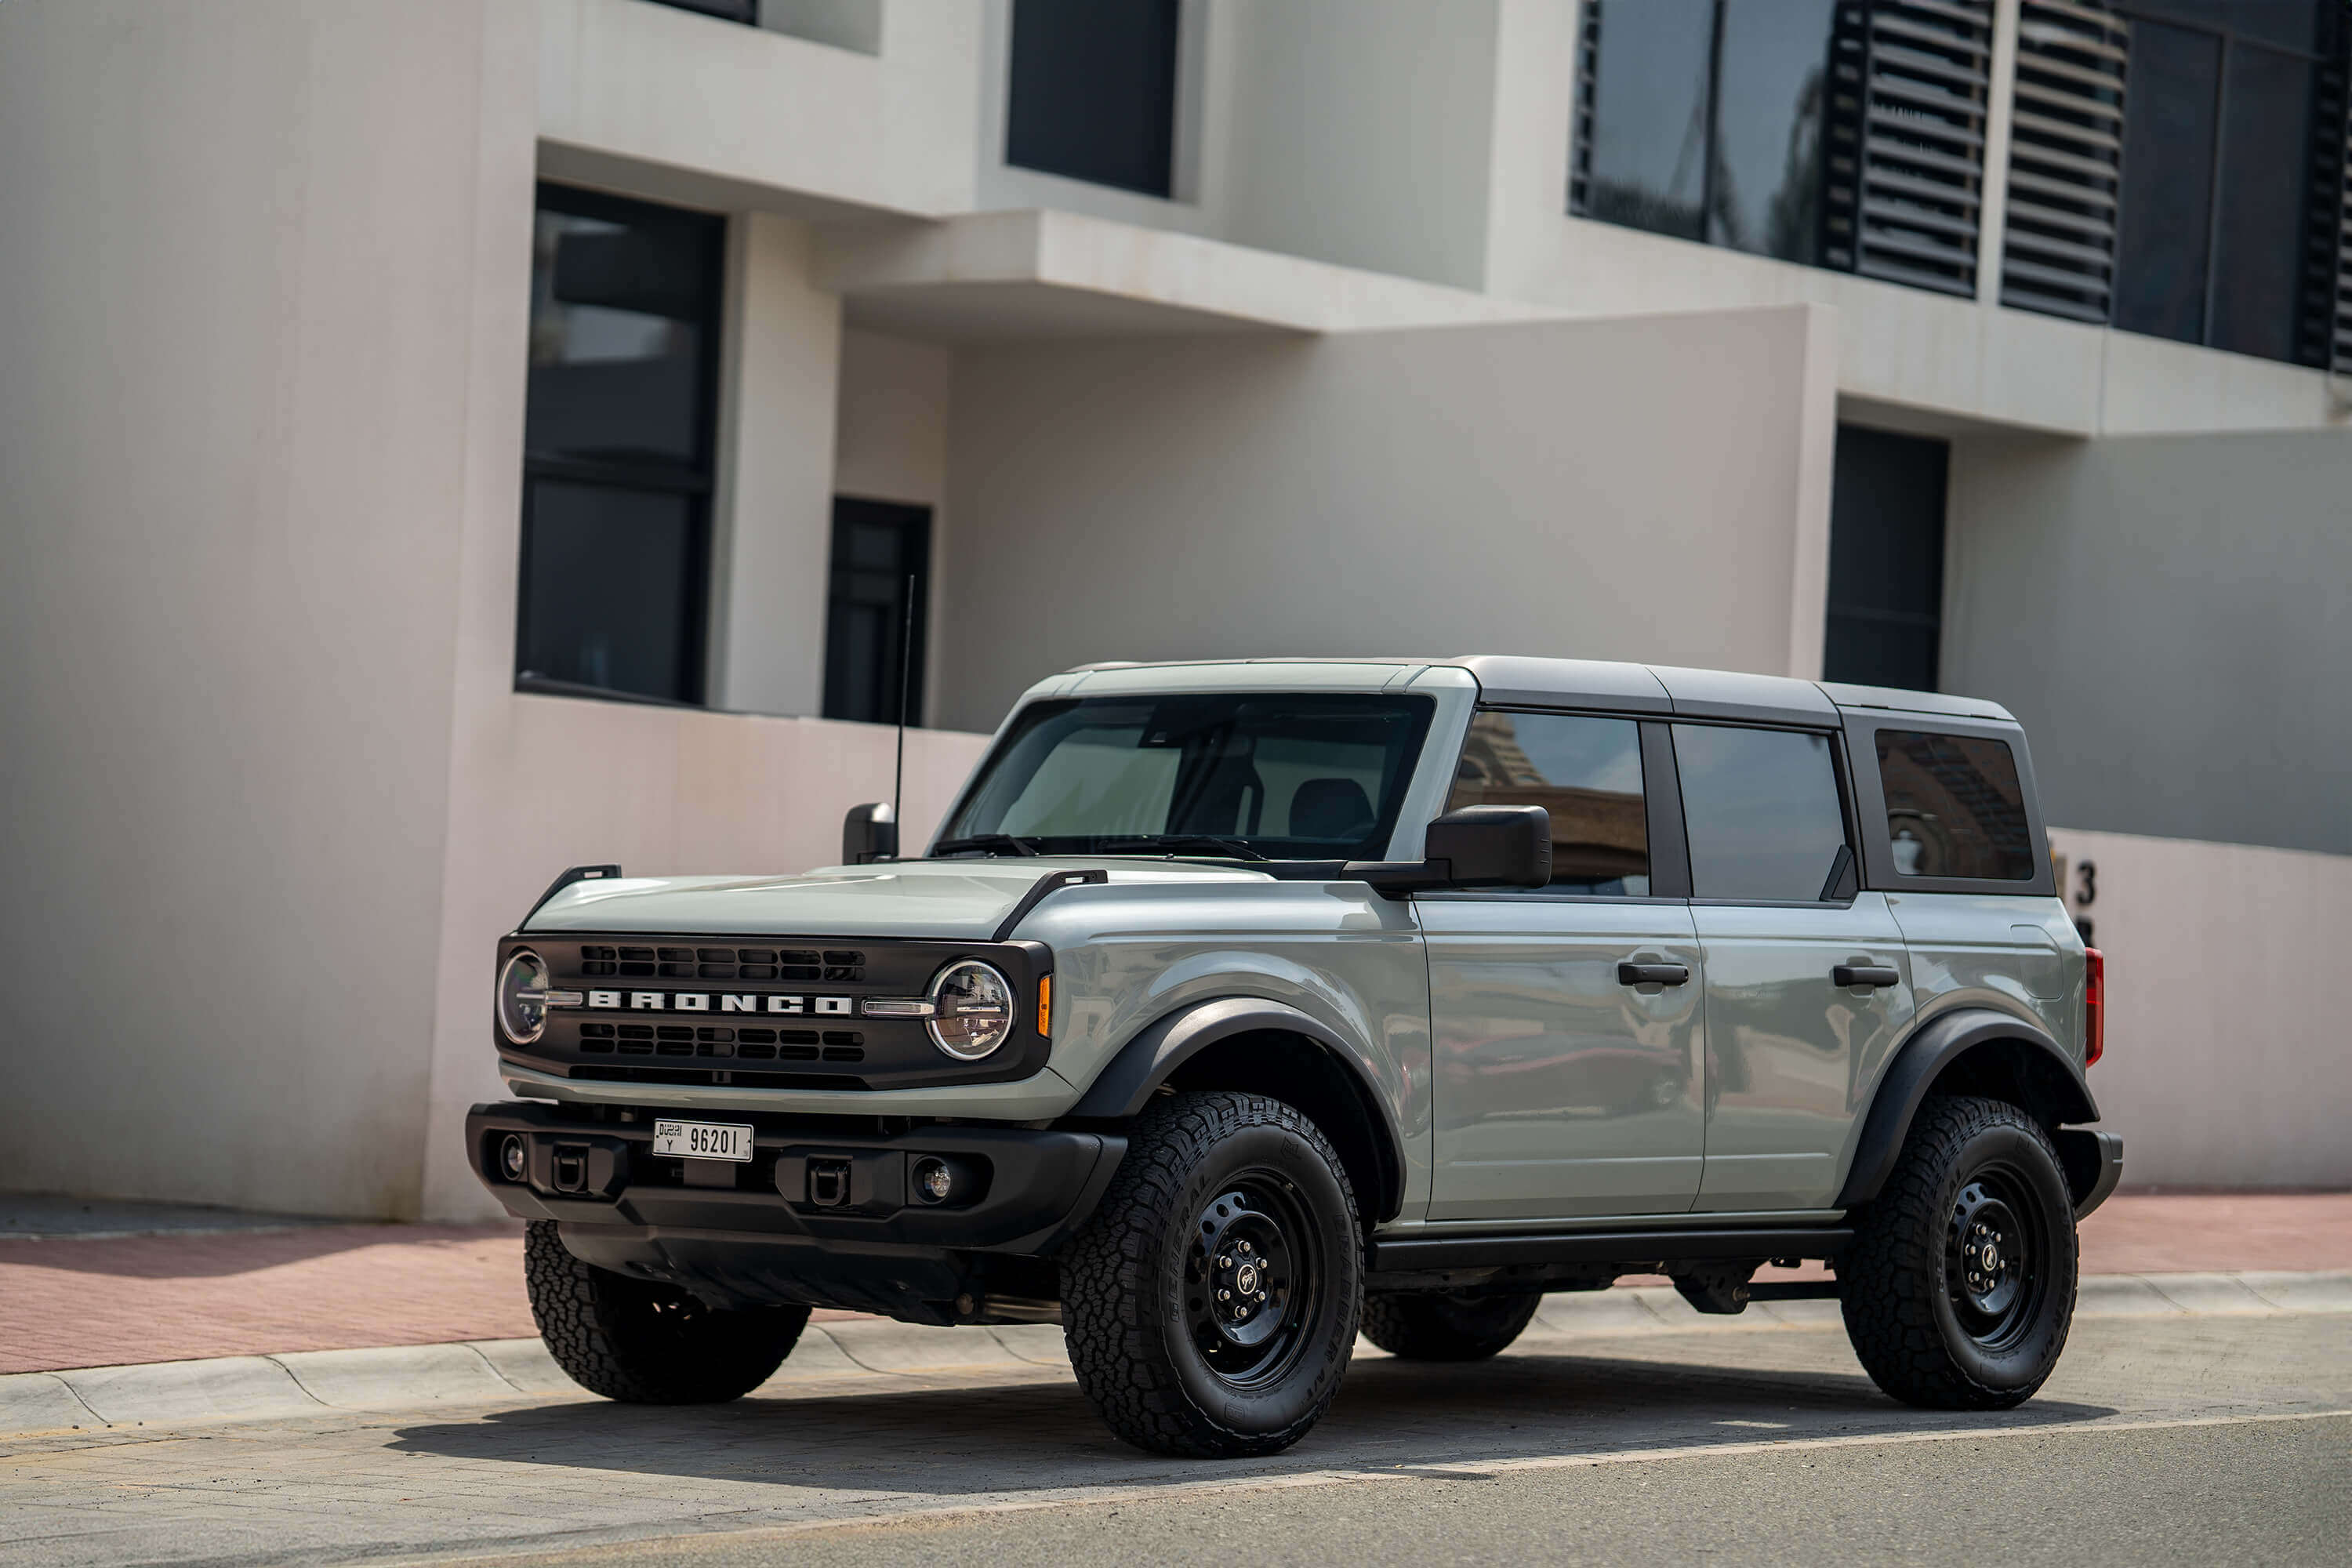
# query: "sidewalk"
[207,1292]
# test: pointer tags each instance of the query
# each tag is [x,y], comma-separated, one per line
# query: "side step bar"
[1627,1248]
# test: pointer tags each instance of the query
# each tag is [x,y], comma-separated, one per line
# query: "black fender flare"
[1127,1083]
[1920,1059]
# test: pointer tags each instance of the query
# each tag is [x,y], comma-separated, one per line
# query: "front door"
[1807,981]
[1566,1082]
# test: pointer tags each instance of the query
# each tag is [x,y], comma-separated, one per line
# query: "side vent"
[1904,184]
[2065,160]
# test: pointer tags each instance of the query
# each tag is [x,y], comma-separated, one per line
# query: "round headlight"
[522,997]
[974,1010]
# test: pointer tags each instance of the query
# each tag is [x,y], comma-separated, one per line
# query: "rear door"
[1567,1083]
[1807,981]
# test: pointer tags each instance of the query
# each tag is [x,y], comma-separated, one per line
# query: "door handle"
[1653,974]
[1875,974]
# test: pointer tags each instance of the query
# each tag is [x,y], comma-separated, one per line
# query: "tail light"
[2095,1006]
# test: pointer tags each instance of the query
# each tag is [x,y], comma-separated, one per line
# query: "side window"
[1586,771]
[1760,807]
[1954,808]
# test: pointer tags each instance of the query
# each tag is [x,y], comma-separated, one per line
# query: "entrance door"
[1567,1083]
[1788,1048]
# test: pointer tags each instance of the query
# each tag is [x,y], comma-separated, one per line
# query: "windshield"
[1240,777]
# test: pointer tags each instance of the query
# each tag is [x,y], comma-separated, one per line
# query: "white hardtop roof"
[1513,680]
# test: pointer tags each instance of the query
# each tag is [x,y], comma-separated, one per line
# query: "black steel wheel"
[644,1343]
[1210,1306]
[1959,1290]
[1447,1325]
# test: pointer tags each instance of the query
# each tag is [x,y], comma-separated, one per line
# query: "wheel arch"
[1257,1045]
[1973,1050]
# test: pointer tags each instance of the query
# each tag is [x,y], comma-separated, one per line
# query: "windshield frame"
[1426,714]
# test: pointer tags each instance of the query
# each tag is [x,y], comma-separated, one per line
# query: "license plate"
[702,1140]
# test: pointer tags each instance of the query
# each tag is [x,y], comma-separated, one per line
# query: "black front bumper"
[818,1216]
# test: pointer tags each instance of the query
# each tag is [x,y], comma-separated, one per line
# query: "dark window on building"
[1954,808]
[880,549]
[1887,560]
[1761,810]
[2233,136]
[1092,91]
[1586,772]
[1833,132]
[616,447]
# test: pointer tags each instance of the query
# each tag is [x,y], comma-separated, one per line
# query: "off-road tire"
[1132,1295]
[1446,1325]
[1902,1283]
[644,1342]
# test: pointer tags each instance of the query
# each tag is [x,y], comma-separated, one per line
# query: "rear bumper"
[2094,1163]
[756,1232]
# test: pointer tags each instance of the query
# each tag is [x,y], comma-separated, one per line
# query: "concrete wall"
[236,423]
[2169,617]
[1642,488]
[2229,1062]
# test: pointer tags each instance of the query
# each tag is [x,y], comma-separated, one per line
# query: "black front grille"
[735,1076]
[835,965]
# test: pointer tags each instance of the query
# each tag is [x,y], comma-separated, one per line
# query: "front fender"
[1921,1059]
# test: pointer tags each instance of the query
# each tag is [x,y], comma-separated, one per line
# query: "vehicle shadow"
[1030,1435]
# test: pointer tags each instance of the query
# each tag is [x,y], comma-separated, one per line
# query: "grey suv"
[1241,1007]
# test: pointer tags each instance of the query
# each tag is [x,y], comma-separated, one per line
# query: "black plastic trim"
[1125,1086]
[1662,793]
[1918,1061]
[1044,888]
[2095,1164]
[1521,1248]
[576,874]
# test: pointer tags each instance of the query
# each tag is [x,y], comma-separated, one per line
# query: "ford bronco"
[1237,1008]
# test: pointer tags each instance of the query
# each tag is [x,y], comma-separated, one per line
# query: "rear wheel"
[1451,1325]
[644,1342]
[1959,1290]
[1210,1306]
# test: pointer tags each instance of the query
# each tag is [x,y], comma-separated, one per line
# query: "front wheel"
[644,1342]
[1958,1288]
[1210,1305]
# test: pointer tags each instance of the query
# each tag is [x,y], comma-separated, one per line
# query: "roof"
[1515,681]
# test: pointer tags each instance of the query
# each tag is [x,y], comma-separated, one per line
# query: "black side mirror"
[869,833]
[1476,847]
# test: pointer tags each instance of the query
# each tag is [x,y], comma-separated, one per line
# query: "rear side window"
[1586,772]
[1760,808]
[1954,808]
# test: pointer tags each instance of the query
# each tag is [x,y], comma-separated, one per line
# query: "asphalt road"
[2194,1439]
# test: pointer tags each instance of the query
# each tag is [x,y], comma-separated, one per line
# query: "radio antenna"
[906,684]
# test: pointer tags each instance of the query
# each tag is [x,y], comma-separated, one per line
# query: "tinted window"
[1761,810]
[1647,165]
[880,550]
[1954,808]
[1886,559]
[1586,772]
[616,438]
[1294,777]
[2258,230]
[1093,91]
[2168,146]
[1767,129]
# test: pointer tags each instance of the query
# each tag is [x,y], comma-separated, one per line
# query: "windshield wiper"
[1177,842]
[999,842]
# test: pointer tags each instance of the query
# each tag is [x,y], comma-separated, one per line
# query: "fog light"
[935,1182]
[514,1157]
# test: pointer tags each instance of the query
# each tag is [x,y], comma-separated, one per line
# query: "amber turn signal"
[1046,1006]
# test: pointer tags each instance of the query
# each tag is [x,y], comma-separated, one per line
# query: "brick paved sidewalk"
[73,1303]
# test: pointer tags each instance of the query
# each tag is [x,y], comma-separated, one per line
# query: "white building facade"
[443,442]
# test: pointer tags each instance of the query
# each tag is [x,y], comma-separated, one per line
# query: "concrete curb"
[494,1372]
